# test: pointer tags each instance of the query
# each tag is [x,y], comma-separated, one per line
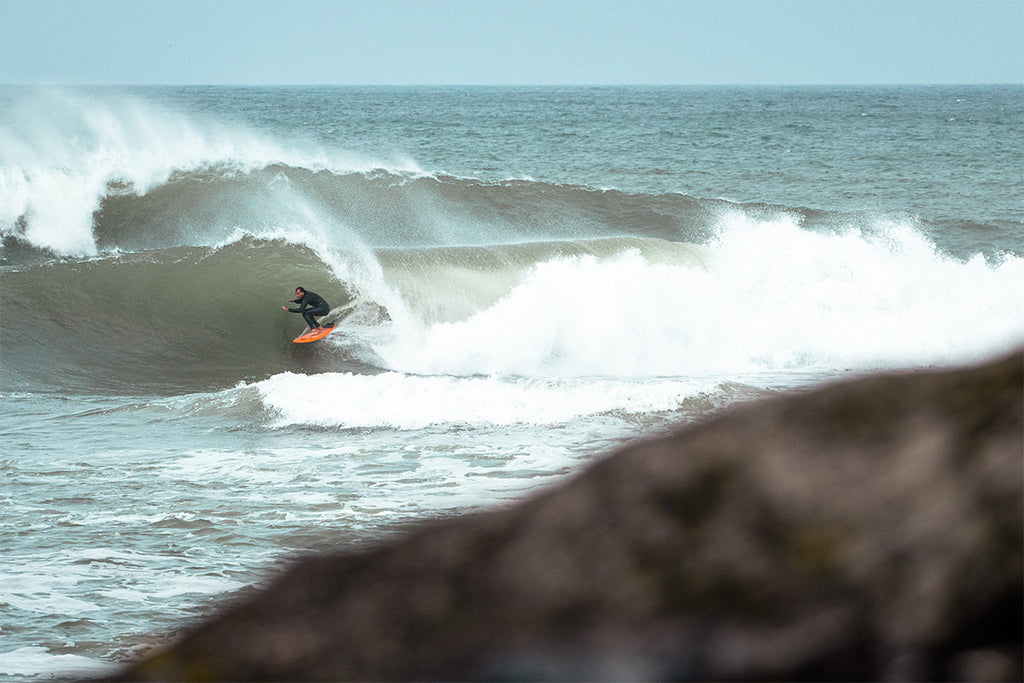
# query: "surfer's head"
[300,292]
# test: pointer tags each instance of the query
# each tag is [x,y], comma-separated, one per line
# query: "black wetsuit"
[311,305]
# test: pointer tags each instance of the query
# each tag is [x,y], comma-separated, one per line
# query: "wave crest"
[64,155]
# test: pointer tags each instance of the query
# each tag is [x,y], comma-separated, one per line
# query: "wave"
[82,176]
[400,401]
[386,209]
[334,209]
[201,318]
[764,296]
[146,250]
[395,400]
[182,318]
[77,172]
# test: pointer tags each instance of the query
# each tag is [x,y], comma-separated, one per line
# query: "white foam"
[123,595]
[855,299]
[188,583]
[49,603]
[412,402]
[47,593]
[38,662]
[770,296]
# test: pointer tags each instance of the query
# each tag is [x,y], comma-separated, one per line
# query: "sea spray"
[117,145]
[66,155]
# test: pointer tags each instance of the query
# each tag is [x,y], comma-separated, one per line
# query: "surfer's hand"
[284,308]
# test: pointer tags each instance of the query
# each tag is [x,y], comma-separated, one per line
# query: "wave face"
[162,320]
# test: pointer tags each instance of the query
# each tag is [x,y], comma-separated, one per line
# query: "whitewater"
[535,276]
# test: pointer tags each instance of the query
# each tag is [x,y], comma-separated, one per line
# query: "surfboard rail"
[314,334]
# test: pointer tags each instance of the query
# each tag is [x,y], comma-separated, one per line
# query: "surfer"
[310,304]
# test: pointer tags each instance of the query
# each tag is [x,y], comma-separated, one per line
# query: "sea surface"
[531,276]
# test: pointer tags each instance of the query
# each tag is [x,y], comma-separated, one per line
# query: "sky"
[511,42]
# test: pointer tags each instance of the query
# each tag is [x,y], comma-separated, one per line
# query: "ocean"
[534,276]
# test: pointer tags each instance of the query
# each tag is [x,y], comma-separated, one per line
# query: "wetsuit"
[311,305]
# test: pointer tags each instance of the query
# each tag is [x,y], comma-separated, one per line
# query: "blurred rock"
[867,530]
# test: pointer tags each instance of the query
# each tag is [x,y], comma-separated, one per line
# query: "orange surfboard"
[313,335]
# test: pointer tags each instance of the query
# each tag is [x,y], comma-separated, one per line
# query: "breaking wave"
[148,250]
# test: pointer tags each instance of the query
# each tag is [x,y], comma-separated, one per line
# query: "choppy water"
[535,276]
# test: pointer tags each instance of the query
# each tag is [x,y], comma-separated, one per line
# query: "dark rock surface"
[866,530]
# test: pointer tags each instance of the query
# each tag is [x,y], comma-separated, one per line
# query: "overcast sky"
[501,42]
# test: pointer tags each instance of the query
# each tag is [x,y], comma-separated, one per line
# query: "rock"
[871,529]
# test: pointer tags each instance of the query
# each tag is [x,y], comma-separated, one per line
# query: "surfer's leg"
[310,315]
[321,312]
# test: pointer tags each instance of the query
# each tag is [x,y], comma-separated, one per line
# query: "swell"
[379,209]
